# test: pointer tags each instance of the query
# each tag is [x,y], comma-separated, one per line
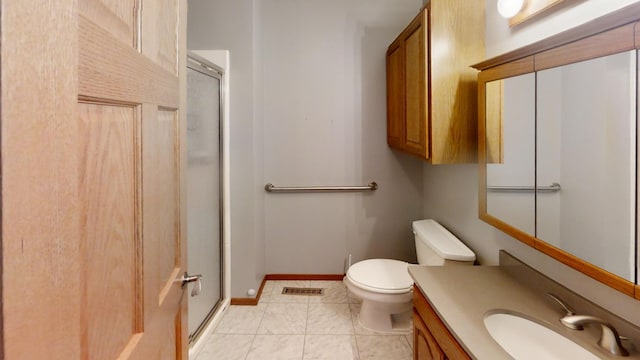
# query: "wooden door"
[92,160]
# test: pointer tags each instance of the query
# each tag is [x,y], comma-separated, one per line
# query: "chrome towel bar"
[551,188]
[307,189]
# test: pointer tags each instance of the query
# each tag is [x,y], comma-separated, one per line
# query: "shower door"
[204,189]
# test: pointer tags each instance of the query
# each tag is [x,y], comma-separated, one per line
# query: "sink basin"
[525,339]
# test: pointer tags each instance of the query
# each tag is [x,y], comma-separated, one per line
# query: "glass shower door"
[204,190]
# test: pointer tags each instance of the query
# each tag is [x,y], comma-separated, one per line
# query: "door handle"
[197,288]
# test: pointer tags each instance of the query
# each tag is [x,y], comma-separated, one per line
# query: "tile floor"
[297,327]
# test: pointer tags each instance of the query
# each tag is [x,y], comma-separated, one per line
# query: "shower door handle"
[197,288]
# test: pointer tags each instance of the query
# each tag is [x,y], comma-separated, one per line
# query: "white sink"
[524,339]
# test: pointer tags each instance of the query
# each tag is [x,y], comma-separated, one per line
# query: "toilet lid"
[381,275]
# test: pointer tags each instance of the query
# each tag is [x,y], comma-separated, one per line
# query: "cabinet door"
[395,95]
[425,346]
[415,88]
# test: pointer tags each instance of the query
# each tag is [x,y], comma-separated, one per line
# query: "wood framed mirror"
[558,148]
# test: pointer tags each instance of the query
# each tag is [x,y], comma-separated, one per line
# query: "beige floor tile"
[330,347]
[334,292]
[276,347]
[374,347]
[265,297]
[302,327]
[268,285]
[329,319]
[226,347]
[409,338]
[284,318]
[241,319]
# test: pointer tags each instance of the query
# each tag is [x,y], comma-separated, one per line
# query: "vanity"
[452,303]
[433,341]
[558,164]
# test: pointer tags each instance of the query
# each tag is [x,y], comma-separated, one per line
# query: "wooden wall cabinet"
[431,90]
[431,338]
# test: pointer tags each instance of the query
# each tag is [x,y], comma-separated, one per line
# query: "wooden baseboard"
[245,301]
[326,277]
[250,301]
[254,301]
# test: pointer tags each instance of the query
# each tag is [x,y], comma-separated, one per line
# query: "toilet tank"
[436,246]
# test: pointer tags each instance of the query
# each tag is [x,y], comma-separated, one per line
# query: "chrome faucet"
[609,340]
[568,312]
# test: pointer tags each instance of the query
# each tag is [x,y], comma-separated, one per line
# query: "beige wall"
[324,117]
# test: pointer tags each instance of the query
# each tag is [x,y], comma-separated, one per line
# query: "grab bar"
[305,189]
[551,188]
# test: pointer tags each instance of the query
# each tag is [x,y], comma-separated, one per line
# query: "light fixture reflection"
[509,8]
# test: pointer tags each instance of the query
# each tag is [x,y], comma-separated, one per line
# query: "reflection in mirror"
[493,121]
[510,129]
[586,141]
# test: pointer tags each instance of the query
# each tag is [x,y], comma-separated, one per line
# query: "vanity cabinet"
[425,345]
[431,338]
[431,90]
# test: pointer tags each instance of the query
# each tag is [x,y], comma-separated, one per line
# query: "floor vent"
[302,291]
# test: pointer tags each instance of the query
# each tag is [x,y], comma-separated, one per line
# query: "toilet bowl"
[385,286]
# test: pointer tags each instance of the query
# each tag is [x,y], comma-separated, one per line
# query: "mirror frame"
[613,33]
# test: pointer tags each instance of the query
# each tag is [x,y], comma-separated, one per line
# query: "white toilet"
[385,286]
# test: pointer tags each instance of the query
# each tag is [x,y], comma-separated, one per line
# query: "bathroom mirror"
[510,122]
[586,142]
[558,147]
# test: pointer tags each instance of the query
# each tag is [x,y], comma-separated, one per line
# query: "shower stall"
[204,188]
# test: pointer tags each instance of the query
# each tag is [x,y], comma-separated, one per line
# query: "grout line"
[250,346]
[255,334]
[353,325]
[306,324]
[406,340]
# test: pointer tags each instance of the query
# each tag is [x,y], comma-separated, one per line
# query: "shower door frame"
[206,67]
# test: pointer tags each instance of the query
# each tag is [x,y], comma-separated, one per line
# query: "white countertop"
[462,295]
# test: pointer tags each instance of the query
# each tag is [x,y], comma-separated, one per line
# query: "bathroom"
[94,210]
[307,104]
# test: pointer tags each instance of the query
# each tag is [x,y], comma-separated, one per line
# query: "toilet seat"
[384,276]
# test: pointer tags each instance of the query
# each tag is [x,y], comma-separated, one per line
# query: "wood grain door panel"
[118,17]
[93,244]
[134,124]
[160,199]
[159,19]
[110,241]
